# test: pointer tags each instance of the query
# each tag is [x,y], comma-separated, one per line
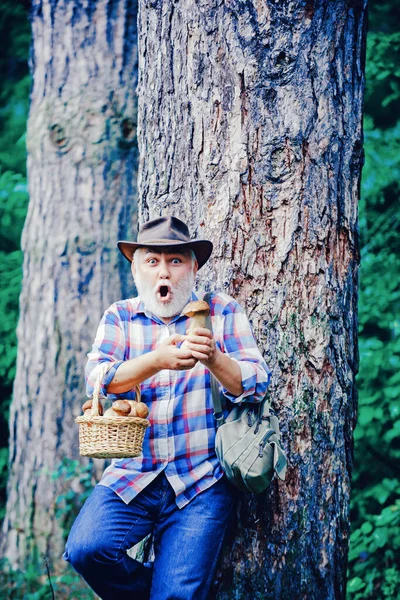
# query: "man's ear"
[195,267]
[133,268]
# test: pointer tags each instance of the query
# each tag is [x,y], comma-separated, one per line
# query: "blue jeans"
[187,542]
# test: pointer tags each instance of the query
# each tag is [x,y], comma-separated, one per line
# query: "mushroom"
[87,408]
[138,409]
[133,408]
[120,408]
[197,311]
[142,410]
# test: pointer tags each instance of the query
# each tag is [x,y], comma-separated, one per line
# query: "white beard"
[181,294]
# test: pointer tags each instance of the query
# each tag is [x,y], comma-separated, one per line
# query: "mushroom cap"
[122,406]
[87,404]
[196,307]
[142,410]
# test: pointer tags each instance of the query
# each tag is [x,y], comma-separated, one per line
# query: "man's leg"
[188,542]
[104,530]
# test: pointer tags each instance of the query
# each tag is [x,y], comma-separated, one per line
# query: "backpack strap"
[216,397]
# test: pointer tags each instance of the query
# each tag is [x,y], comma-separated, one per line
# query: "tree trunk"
[250,128]
[82,163]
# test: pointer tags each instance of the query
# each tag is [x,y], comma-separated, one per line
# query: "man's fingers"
[199,339]
[188,363]
[200,355]
[202,348]
[184,352]
[203,331]
[175,339]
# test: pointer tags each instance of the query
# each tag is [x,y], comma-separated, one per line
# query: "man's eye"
[176,261]
[151,261]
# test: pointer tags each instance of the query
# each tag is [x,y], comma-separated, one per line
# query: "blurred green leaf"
[355,585]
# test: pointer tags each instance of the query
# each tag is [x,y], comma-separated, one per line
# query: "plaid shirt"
[181,437]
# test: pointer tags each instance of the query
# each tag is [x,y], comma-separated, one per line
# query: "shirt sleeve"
[108,346]
[241,346]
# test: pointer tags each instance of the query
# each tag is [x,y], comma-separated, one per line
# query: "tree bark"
[82,164]
[250,129]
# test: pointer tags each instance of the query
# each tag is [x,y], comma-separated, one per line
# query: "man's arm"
[166,356]
[235,359]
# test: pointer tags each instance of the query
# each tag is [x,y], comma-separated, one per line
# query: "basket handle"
[138,392]
[104,368]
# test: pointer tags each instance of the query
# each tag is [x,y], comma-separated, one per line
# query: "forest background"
[374,565]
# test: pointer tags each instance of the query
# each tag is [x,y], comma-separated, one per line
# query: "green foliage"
[382,99]
[37,583]
[10,273]
[70,499]
[374,546]
[14,97]
[13,116]
[382,65]
[13,207]
[374,564]
[15,84]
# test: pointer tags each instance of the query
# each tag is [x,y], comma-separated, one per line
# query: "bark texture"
[250,129]
[82,164]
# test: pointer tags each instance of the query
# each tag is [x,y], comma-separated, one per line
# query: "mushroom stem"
[197,312]
[198,320]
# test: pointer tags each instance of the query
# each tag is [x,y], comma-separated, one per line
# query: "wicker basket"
[110,437]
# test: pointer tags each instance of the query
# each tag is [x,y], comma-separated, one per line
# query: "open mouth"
[164,293]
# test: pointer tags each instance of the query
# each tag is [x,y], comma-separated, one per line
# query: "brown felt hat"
[167,232]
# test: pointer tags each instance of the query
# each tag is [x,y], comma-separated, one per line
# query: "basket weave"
[110,437]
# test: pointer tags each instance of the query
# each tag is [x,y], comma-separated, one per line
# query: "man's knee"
[86,553]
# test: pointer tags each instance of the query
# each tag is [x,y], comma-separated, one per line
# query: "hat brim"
[201,248]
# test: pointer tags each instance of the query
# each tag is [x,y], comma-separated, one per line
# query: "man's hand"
[202,346]
[169,356]
[225,370]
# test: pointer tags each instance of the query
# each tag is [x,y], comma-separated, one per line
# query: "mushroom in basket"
[138,409]
[87,408]
[119,408]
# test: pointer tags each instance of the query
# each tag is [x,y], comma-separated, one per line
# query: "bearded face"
[164,280]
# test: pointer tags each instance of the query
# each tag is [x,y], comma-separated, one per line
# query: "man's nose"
[164,271]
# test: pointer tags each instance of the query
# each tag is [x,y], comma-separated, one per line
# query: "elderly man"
[176,488]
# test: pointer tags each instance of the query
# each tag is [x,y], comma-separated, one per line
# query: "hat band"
[163,241]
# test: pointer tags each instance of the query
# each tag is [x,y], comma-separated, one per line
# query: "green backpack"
[248,447]
[247,441]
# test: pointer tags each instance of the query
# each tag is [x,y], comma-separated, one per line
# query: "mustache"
[161,284]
